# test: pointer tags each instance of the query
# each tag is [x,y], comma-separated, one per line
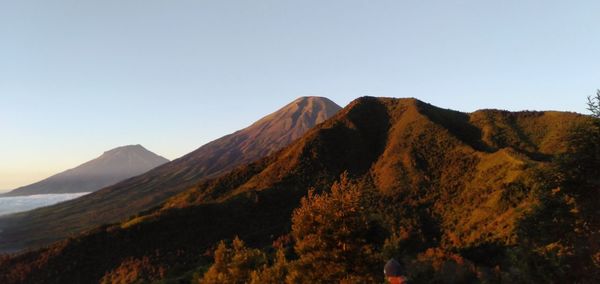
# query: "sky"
[79,77]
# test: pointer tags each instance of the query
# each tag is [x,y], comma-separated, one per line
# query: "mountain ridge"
[462,182]
[142,192]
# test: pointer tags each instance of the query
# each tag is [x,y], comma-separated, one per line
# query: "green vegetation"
[487,197]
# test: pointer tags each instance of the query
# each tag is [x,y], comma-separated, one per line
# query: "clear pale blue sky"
[80,77]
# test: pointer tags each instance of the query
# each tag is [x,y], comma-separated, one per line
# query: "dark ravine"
[111,167]
[467,178]
[124,199]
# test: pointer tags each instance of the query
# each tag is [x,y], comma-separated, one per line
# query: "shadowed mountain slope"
[113,166]
[131,196]
[463,180]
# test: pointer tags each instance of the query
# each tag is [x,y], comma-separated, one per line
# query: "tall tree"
[332,232]
[234,264]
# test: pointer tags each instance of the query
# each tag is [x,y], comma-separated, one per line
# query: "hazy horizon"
[79,78]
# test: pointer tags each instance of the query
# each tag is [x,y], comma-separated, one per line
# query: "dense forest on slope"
[490,196]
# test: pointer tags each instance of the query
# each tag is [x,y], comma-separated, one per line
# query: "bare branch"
[594,104]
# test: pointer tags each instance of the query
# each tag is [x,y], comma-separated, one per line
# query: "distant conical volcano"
[111,167]
[267,135]
[145,191]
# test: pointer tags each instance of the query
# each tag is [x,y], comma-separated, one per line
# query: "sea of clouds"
[15,204]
